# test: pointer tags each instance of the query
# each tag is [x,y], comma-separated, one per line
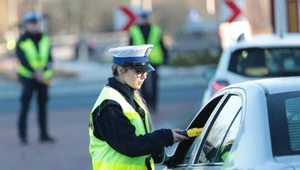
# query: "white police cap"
[32,16]
[135,57]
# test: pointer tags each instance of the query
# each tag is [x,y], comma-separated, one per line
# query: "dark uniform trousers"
[149,89]
[29,86]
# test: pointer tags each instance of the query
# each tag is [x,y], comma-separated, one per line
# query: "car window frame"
[223,96]
[208,126]
[226,131]
[239,113]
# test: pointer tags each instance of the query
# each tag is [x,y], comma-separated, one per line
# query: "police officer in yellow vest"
[120,126]
[143,32]
[35,72]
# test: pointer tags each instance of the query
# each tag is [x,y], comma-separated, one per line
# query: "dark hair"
[114,70]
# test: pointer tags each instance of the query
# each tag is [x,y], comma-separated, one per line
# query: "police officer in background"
[146,33]
[35,72]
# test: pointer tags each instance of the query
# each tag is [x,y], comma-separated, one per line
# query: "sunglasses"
[139,73]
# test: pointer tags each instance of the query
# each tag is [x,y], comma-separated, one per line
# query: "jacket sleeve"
[116,129]
[22,58]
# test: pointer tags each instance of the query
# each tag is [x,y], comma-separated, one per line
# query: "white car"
[251,125]
[260,56]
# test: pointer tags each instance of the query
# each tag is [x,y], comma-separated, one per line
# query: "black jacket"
[20,54]
[112,126]
[145,28]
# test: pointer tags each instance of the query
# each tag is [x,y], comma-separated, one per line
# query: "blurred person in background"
[143,32]
[34,72]
[77,45]
[120,125]
[82,42]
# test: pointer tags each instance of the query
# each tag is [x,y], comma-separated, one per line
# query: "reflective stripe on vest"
[103,156]
[37,59]
[156,55]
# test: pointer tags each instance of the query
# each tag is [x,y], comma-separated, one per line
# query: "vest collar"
[124,89]
[35,37]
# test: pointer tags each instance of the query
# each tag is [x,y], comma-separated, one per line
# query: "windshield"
[266,62]
[284,117]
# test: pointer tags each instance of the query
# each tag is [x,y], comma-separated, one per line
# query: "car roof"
[268,40]
[272,85]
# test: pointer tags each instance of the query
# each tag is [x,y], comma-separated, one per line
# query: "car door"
[219,135]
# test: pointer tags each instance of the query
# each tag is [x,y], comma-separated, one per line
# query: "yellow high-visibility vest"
[156,55]
[105,157]
[37,59]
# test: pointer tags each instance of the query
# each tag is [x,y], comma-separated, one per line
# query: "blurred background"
[191,26]
[195,33]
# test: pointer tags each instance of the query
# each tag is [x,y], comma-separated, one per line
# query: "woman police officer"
[120,126]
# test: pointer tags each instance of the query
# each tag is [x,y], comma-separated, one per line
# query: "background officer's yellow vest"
[103,156]
[37,59]
[156,55]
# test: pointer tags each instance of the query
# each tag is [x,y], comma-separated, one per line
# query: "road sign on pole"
[235,10]
[124,17]
[231,10]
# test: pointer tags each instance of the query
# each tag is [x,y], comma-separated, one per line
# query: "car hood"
[290,160]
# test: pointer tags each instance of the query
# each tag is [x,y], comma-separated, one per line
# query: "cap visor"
[33,21]
[147,67]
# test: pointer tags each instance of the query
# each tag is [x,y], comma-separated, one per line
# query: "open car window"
[185,149]
[226,145]
[220,134]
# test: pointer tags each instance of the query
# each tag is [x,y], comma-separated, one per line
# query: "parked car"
[259,119]
[195,39]
[260,56]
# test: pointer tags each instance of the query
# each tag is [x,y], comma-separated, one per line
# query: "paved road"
[76,94]
[68,121]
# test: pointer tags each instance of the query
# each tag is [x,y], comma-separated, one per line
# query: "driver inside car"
[211,152]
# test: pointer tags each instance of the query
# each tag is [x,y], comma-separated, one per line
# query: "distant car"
[192,39]
[260,56]
[261,121]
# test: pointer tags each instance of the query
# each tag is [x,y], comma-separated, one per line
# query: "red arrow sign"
[235,10]
[131,18]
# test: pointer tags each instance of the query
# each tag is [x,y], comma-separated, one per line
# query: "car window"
[224,150]
[220,131]
[266,62]
[184,151]
[284,118]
